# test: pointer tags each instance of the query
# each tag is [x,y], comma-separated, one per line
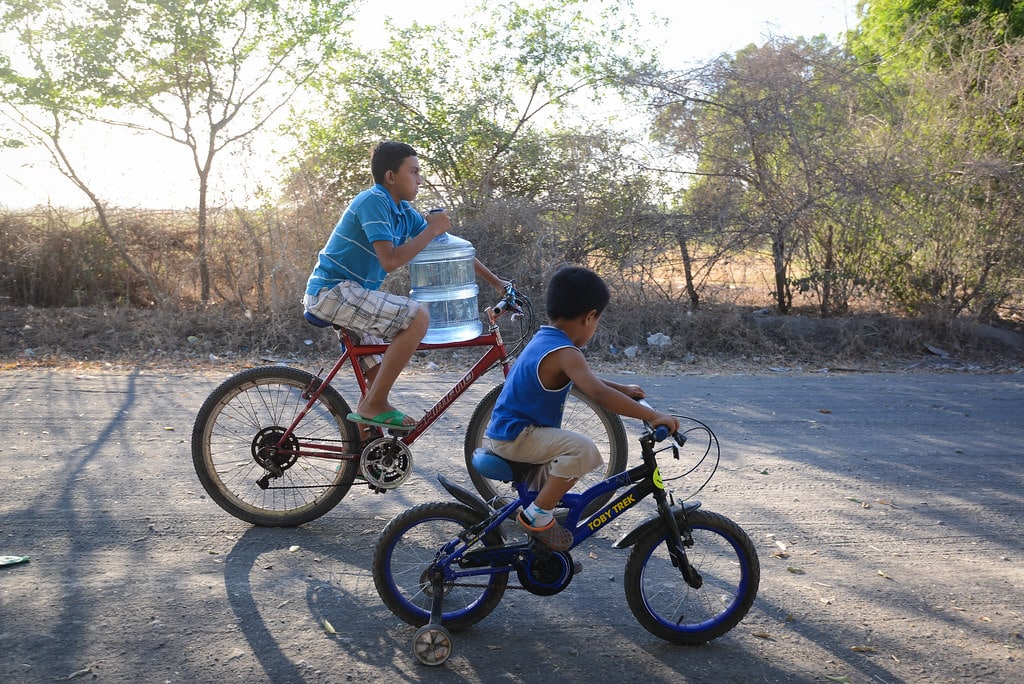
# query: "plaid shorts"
[368,316]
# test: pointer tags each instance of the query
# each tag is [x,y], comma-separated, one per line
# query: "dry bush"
[510,237]
[55,258]
[260,261]
[162,245]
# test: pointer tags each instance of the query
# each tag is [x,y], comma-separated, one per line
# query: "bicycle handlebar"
[661,432]
[508,303]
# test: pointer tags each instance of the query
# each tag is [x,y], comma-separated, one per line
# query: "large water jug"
[443,279]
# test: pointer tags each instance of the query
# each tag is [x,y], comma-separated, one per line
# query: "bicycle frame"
[646,481]
[494,355]
[690,575]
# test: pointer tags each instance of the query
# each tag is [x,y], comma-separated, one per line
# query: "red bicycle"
[273,445]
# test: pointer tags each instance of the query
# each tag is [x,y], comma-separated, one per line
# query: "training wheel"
[432,644]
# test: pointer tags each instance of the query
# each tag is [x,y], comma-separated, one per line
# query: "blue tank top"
[524,401]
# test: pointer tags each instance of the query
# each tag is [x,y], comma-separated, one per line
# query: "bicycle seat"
[316,320]
[494,467]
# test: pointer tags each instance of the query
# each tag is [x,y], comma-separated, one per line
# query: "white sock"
[537,516]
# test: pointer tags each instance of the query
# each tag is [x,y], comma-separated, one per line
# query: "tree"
[893,35]
[770,133]
[206,75]
[956,67]
[956,245]
[495,111]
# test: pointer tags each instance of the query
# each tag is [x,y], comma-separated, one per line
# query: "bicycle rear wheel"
[582,414]
[671,609]
[234,456]
[406,551]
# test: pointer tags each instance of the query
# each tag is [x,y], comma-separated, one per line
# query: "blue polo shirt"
[349,255]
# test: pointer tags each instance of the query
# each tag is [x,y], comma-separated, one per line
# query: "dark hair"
[388,156]
[573,291]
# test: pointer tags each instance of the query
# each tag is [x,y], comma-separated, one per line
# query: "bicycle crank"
[385,463]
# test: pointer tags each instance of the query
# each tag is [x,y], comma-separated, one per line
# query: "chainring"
[545,574]
[385,463]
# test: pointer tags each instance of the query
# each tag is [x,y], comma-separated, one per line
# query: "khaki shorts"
[569,454]
[368,316]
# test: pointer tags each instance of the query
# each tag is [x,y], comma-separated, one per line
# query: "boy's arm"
[485,273]
[392,257]
[572,363]
[632,391]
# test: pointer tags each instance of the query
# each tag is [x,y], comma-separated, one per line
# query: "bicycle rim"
[242,418]
[670,608]
[406,551]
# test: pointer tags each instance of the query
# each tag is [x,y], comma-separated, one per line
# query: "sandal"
[552,535]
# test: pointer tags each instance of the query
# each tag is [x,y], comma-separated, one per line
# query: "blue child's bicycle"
[691,576]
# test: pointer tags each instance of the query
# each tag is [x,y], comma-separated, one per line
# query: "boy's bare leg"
[365,431]
[543,526]
[553,490]
[397,356]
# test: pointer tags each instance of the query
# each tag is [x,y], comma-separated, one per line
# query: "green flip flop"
[389,420]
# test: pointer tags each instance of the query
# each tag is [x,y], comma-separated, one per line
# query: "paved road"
[886,509]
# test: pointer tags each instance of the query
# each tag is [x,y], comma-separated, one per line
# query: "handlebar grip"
[660,433]
[505,305]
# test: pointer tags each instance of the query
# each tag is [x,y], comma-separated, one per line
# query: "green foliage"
[465,95]
[953,244]
[492,109]
[898,34]
[892,183]
[206,75]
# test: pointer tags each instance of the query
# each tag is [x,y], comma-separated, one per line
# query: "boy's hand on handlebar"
[507,304]
[670,422]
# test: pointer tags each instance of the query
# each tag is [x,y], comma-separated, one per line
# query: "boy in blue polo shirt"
[525,423]
[379,232]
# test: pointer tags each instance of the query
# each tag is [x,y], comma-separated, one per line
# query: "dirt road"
[886,509]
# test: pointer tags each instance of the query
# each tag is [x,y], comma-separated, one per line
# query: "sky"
[135,170]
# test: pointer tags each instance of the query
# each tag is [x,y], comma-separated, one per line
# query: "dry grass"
[732,327]
[720,337]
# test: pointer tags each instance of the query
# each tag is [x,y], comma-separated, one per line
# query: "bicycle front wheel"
[671,609]
[235,456]
[581,414]
[407,550]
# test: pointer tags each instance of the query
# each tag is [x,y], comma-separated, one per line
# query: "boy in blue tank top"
[525,423]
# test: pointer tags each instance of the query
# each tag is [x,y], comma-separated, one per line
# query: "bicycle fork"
[677,541]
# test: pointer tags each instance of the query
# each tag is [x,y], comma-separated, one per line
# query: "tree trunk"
[783,297]
[691,290]
[201,242]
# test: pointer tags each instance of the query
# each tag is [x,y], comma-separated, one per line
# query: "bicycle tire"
[666,606]
[581,414]
[405,551]
[246,412]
